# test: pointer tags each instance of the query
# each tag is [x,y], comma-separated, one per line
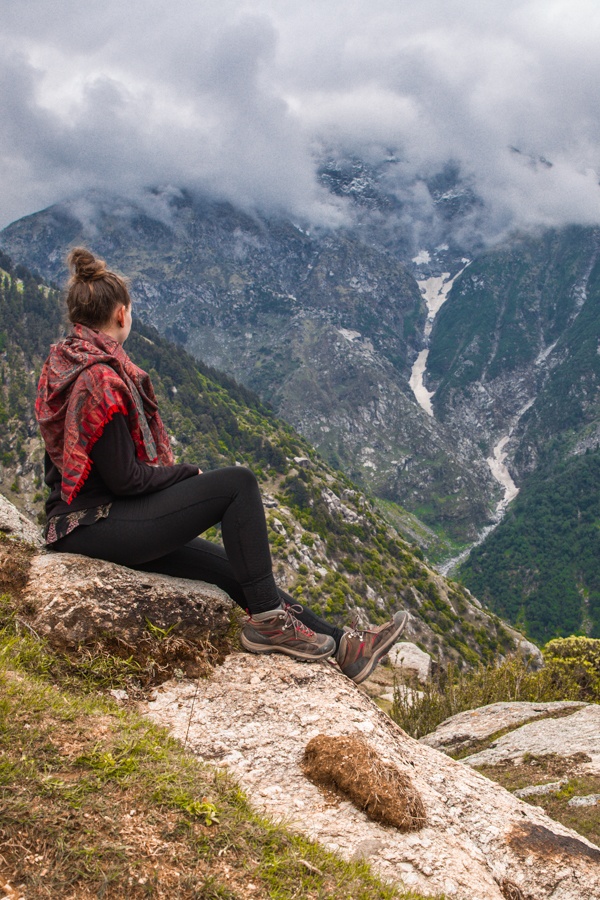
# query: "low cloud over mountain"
[244,102]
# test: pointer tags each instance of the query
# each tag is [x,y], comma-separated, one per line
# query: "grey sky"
[238,97]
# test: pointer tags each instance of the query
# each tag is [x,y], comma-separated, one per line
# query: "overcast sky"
[239,98]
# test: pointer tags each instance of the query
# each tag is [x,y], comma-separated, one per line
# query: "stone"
[409,658]
[478,836]
[532,653]
[77,600]
[578,733]
[16,525]
[461,731]
[590,800]
[535,790]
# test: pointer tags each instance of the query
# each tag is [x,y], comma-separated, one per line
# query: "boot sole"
[364,673]
[247,644]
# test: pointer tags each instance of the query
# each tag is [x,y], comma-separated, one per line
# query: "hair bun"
[85,266]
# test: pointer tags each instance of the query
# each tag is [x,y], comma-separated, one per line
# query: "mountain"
[515,355]
[507,341]
[540,567]
[336,329]
[330,546]
[326,326]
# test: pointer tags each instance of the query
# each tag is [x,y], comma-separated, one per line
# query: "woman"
[115,493]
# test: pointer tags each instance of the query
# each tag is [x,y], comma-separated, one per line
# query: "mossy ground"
[98,802]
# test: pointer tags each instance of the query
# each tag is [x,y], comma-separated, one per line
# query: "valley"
[440,380]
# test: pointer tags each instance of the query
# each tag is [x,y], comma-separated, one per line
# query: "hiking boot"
[282,632]
[360,651]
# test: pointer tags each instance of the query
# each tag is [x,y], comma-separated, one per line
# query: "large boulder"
[577,734]
[15,525]
[467,729]
[255,717]
[74,600]
[411,660]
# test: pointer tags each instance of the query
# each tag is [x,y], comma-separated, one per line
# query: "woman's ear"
[120,315]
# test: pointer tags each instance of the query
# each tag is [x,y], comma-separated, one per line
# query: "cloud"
[237,100]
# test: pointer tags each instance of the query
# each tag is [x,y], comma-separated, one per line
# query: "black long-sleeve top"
[116,472]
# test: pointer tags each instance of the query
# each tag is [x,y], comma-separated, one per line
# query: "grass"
[98,802]
[550,768]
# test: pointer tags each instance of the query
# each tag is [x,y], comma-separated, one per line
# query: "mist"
[243,102]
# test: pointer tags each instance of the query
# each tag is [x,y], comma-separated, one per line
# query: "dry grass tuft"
[349,764]
[15,562]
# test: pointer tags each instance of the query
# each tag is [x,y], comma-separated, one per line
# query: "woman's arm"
[114,460]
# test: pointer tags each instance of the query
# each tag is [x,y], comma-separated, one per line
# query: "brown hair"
[93,291]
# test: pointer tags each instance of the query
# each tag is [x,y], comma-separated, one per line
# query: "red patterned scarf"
[86,379]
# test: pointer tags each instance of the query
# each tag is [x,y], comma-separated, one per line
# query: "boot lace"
[293,622]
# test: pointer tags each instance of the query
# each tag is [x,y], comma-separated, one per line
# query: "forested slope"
[541,567]
[525,322]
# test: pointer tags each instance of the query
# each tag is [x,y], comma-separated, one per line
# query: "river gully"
[435,292]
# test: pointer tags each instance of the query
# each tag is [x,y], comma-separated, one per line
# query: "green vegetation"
[539,568]
[97,802]
[503,304]
[571,672]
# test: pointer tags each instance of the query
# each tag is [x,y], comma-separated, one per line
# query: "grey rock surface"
[578,733]
[538,790]
[255,716]
[590,800]
[15,524]
[408,657]
[78,599]
[462,730]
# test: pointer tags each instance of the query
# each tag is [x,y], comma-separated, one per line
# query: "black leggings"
[158,533]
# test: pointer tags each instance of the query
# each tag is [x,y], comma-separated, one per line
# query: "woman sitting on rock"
[115,493]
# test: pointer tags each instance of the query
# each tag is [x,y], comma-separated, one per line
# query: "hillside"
[97,800]
[327,326]
[324,325]
[514,352]
[331,548]
[540,567]
[512,342]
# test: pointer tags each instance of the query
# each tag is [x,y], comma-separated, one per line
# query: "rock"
[255,716]
[303,462]
[77,599]
[467,728]
[530,651]
[119,694]
[336,507]
[577,733]
[411,659]
[536,790]
[590,800]
[14,524]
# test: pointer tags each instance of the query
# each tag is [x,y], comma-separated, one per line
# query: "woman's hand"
[199,471]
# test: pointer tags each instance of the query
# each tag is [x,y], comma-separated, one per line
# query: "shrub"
[573,663]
